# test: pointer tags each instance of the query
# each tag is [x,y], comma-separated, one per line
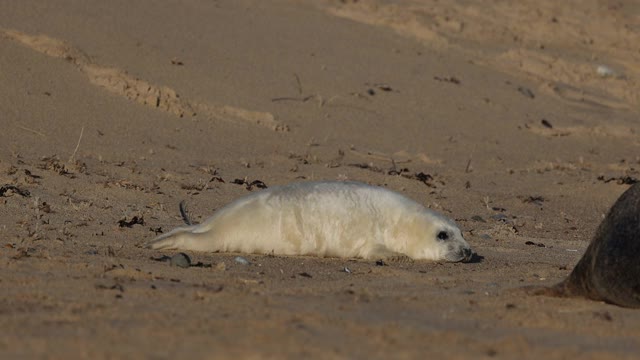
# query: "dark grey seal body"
[610,268]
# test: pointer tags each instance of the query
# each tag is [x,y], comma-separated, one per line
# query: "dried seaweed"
[5,188]
[129,223]
[620,180]
[449,79]
[534,243]
[250,185]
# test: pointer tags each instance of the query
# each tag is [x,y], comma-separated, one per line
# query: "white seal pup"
[337,219]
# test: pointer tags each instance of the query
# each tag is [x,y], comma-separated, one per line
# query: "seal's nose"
[468,254]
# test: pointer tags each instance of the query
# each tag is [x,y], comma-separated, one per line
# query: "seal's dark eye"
[442,235]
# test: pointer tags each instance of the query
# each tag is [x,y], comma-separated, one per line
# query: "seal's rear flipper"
[175,239]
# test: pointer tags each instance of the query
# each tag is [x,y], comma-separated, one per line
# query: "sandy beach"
[519,120]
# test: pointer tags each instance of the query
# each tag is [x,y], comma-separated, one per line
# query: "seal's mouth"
[465,255]
[468,255]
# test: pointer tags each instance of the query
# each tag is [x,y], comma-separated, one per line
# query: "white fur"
[341,219]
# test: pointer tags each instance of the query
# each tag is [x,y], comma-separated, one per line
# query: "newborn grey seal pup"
[337,219]
[610,268]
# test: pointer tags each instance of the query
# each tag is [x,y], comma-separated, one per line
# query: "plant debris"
[534,243]
[5,188]
[620,180]
[200,264]
[400,171]
[53,163]
[115,286]
[161,258]
[23,253]
[526,92]
[156,230]
[426,179]
[383,87]
[537,200]
[366,167]
[449,79]
[29,174]
[129,223]
[249,185]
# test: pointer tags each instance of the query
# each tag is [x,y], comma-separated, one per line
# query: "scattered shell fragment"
[605,71]
[241,260]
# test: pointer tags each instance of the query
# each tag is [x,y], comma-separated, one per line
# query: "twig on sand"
[77,146]
[486,201]
[468,168]
[36,205]
[298,83]
[30,130]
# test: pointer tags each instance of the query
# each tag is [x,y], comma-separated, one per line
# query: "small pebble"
[500,217]
[241,260]
[478,218]
[180,260]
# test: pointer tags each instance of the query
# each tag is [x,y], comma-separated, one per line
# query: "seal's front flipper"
[399,258]
[381,252]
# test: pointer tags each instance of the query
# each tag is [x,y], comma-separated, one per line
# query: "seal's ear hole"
[443,235]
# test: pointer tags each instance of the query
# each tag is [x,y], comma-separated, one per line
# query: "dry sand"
[112,112]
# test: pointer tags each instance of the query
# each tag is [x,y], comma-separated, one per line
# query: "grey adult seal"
[610,268]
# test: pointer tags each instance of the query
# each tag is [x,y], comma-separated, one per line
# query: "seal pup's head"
[440,239]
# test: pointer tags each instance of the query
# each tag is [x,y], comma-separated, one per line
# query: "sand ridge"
[121,83]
